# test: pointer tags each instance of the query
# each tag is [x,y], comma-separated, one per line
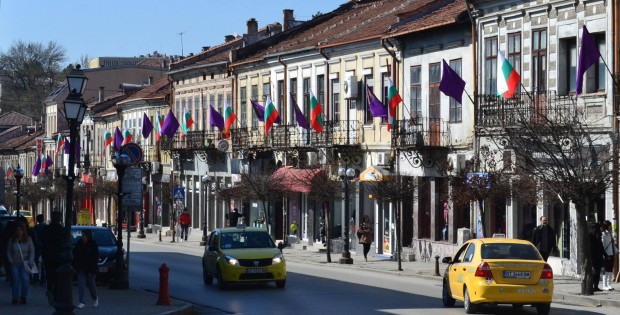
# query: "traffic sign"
[134,152]
[178,193]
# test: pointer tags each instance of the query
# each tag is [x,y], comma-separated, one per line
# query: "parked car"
[106,241]
[242,254]
[26,214]
[497,271]
[3,211]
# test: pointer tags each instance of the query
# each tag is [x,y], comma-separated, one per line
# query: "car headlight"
[231,260]
[277,259]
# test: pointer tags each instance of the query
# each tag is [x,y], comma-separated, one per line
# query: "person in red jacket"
[184,221]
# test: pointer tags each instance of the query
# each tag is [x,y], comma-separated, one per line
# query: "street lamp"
[75,108]
[120,280]
[18,174]
[206,182]
[346,175]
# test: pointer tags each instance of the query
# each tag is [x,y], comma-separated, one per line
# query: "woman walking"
[365,235]
[609,245]
[86,257]
[20,256]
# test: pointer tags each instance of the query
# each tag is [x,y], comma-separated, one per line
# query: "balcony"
[335,133]
[496,111]
[420,132]
[194,140]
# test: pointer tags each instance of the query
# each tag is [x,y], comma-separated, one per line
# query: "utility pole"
[181,34]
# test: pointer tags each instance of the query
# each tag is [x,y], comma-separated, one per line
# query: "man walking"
[53,239]
[544,238]
[184,220]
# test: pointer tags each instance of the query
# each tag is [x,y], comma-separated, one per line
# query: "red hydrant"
[164,292]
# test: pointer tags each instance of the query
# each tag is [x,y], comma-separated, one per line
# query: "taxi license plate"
[103,268]
[517,274]
[256,270]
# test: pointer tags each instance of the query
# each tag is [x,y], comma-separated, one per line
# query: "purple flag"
[377,109]
[118,139]
[171,125]
[215,119]
[451,83]
[48,163]
[259,110]
[299,116]
[588,56]
[67,146]
[37,167]
[147,126]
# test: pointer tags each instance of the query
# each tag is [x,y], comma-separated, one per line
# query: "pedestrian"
[20,255]
[596,255]
[233,217]
[610,251]
[293,228]
[544,238]
[184,220]
[38,248]
[86,264]
[53,239]
[365,235]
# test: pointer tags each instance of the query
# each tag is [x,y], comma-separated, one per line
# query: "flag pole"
[609,71]
[526,92]
[469,97]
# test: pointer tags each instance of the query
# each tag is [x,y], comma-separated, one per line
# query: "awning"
[375,174]
[295,179]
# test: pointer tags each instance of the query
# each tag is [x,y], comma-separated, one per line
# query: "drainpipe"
[284,107]
[327,86]
[616,105]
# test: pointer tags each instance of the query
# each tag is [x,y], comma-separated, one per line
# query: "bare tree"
[28,73]
[568,153]
[325,189]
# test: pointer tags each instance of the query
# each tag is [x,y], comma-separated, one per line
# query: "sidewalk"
[566,289]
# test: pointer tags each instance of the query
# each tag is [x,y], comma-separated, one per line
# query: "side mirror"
[447,260]
[281,246]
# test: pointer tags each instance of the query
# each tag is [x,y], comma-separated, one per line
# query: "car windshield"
[102,237]
[509,251]
[246,239]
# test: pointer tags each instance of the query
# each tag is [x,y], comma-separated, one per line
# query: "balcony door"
[434,104]
[539,73]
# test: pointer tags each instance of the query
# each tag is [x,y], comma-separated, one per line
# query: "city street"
[310,289]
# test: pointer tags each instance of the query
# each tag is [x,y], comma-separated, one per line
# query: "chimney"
[205,48]
[150,80]
[288,17]
[101,93]
[229,38]
[252,26]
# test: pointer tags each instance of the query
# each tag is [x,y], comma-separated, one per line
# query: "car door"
[467,268]
[455,277]
[212,252]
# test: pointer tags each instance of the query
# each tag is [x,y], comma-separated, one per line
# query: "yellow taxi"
[26,214]
[242,254]
[497,271]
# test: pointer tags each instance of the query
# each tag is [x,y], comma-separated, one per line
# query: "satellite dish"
[222,145]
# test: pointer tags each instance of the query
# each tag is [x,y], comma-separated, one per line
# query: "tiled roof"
[157,90]
[212,55]
[15,119]
[107,106]
[21,142]
[432,14]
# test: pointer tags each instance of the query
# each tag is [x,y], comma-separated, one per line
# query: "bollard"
[437,266]
[164,292]
[160,235]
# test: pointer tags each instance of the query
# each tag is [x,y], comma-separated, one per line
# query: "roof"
[430,15]
[219,53]
[157,90]
[21,142]
[15,119]
[296,179]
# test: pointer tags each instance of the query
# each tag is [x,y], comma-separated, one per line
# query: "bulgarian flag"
[315,114]
[159,122]
[43,162]
[229,119]
[187,123]
[9,170]
[507,77]
[107,139]
[271,114]
[127,136]
[59,143]
[393,100]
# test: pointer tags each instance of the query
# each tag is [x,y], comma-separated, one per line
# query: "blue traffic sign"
[133,151]
[178,193]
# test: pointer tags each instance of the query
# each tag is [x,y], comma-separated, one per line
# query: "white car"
[3,211]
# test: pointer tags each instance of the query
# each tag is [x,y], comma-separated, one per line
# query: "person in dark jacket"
[53,239]
[544,238]
[597,255]
[38,248]
[86,264]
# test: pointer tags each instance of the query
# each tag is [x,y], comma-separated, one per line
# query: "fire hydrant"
[164,292]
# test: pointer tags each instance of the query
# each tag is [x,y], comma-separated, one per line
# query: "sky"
[129,28]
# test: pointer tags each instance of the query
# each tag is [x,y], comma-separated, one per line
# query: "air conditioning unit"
[350,87]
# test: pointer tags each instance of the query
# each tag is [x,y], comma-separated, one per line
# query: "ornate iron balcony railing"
[194,140]
[420,132]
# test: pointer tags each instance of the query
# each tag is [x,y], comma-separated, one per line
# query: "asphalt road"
[310,289]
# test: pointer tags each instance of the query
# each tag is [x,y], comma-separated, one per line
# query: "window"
[243,99]
[197,117]
[416,93]
[266,91]
[212,103]
[539,60]
[281,99]
[456,108]
[190,107]
[293,92]
[368,80]
[514,54]
[490,65]
[306,103]
[599,82]
[204,112]
[177,106]
[434,78]
[254,96]
[469,255]
[335,106]
[567,70]
[320,92]
[183,107]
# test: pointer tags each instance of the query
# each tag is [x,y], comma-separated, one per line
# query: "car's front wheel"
[470,308]
[446,296]
[543,309]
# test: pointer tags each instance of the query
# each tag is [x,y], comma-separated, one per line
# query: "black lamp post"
[120,280]
[18,174]
[346,175]
[75,108]
[206,182]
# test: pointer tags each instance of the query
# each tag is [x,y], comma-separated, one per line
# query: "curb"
[187,309]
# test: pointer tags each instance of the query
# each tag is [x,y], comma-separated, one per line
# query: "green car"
[242,254]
